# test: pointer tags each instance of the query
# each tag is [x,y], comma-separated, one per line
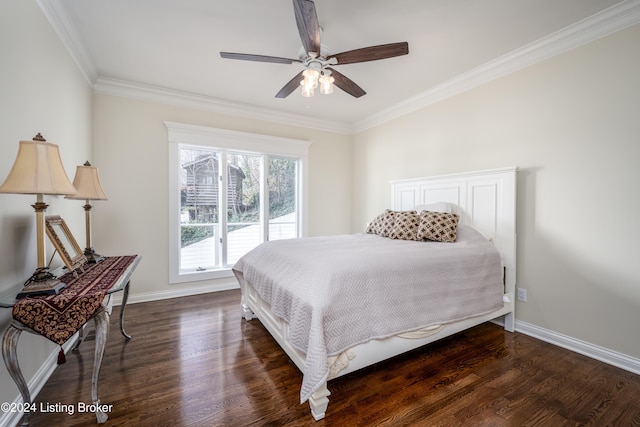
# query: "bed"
[326,309]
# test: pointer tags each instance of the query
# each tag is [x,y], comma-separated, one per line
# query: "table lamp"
[87,182]
[38,170]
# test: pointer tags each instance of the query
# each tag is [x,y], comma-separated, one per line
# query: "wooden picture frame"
[66,245]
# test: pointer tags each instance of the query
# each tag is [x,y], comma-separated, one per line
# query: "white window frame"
[223,139]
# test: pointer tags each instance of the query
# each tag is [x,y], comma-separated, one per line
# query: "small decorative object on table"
[66,245]
[69,252]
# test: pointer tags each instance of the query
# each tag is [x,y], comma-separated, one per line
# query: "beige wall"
[571,124]
[131,150]
[41,90]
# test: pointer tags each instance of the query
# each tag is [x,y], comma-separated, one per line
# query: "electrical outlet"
[522,295]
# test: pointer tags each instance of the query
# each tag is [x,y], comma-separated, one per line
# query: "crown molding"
[61,23]
[602,24]
[609,21]
[144,92]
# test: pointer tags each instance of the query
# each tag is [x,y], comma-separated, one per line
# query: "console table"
[89,284]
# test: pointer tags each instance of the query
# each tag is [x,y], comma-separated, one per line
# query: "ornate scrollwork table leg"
[9,354]
[125,297]
[101,319]
[79,340]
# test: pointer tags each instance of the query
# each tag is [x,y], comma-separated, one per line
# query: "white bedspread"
[339,291]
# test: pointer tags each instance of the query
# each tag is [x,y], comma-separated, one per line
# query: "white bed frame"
[485,200]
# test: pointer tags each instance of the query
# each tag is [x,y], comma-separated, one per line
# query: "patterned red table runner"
[58,317]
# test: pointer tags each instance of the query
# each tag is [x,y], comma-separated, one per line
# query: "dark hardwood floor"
[194,361]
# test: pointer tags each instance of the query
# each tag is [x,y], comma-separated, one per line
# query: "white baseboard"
[177,291]
[593,351]
[39,379]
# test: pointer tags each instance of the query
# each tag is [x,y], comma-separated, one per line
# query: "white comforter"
[339,291]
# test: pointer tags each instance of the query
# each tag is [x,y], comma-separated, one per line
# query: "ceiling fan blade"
[346,84]
[290,86]
[372,53]
[258,58]
[308,27]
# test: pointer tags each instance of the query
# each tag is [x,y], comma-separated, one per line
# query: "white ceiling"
[175,44]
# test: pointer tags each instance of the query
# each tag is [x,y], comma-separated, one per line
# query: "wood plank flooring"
[194,361]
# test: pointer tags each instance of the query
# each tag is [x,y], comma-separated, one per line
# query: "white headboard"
[485,200]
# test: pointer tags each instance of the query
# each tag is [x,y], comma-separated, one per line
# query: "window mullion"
[222,203]
[264,198]
[299,208]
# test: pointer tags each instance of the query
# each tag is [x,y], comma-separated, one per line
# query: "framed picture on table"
[66,245]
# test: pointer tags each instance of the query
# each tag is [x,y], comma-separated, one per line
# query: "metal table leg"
[9,354]
[125,297]
[101,319]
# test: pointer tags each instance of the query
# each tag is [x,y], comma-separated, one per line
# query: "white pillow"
[435,207]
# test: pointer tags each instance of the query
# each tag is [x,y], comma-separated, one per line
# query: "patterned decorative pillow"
[387,224]
[438,226]
[405,225]
[378,224]
[373,226]
[382,224]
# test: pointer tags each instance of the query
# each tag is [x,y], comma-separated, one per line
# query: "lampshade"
[37,170]
[87,182]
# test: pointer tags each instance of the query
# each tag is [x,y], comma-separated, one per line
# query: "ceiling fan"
[318,66]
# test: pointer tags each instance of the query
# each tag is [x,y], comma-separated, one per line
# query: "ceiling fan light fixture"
[310,78]
[307,91]
[326,84]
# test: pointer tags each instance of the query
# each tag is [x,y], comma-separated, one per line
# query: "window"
[216,217]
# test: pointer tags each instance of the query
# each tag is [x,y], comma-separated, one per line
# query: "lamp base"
[41,283]
[92,256]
